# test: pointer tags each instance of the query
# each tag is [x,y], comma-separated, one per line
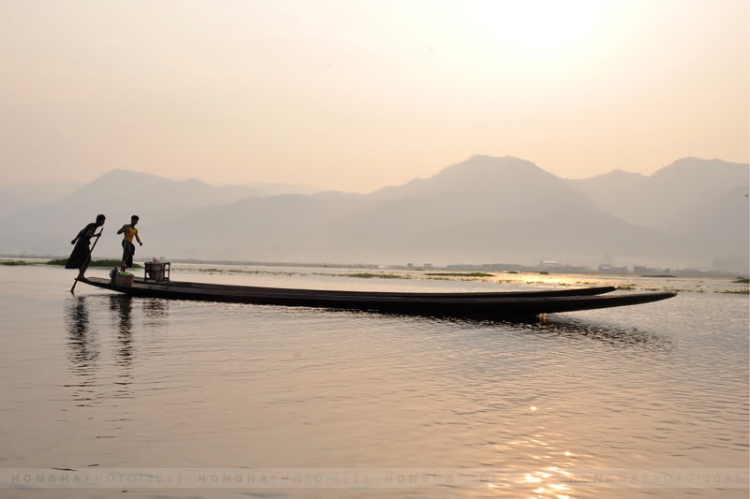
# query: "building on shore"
[607,268]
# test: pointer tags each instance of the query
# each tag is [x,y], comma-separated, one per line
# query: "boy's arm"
[138,239]
[122,229]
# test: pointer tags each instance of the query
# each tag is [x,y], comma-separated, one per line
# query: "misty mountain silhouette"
[484,209]
[667,194]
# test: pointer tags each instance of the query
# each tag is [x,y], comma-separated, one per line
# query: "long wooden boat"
[480,305]
[227,288]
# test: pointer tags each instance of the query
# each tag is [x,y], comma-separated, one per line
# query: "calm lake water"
[389,406]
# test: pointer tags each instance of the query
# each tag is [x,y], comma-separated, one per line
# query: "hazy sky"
[354,95]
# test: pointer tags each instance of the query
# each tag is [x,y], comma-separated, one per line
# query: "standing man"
[81,255]
[128,248]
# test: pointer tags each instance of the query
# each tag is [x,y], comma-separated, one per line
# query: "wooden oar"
[86,264]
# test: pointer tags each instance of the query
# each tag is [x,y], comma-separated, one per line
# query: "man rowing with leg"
[81,255]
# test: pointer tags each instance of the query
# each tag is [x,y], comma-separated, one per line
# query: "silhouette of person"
[128,248]
[81,255]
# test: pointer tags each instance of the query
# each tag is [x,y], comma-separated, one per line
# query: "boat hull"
[475,305]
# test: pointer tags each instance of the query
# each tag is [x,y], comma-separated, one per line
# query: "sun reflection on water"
[548,478]
[549,483]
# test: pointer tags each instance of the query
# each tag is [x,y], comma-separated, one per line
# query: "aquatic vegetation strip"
[496,278]
[367,275]
[104,263]
[213,270]
[507,277]
[460,274]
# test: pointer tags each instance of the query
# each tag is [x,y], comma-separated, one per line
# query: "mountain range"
[693,212]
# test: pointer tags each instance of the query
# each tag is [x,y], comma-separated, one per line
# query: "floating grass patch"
[366,275]
[742,280]
[107,263]
[658,275]
[239,271]
[17,263]
[735,291]
[460,274]
[626,287]
[543,272]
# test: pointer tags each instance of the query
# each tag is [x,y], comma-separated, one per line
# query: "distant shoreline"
[724,284]
[451,268]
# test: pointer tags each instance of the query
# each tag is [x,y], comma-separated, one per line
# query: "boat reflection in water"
[513,400]
[613,334]
[84,350]
[553,325]
[81,339]
[122,306]
[155,311]
[88,343]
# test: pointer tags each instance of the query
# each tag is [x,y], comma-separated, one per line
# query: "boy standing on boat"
[128,248]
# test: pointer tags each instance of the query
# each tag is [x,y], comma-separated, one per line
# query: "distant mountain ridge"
[482,210]
[17,197]
[658,199]
[123,183]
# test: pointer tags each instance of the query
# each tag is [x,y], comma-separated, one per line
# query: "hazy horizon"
[71,185]
[354,96]
[693,213]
